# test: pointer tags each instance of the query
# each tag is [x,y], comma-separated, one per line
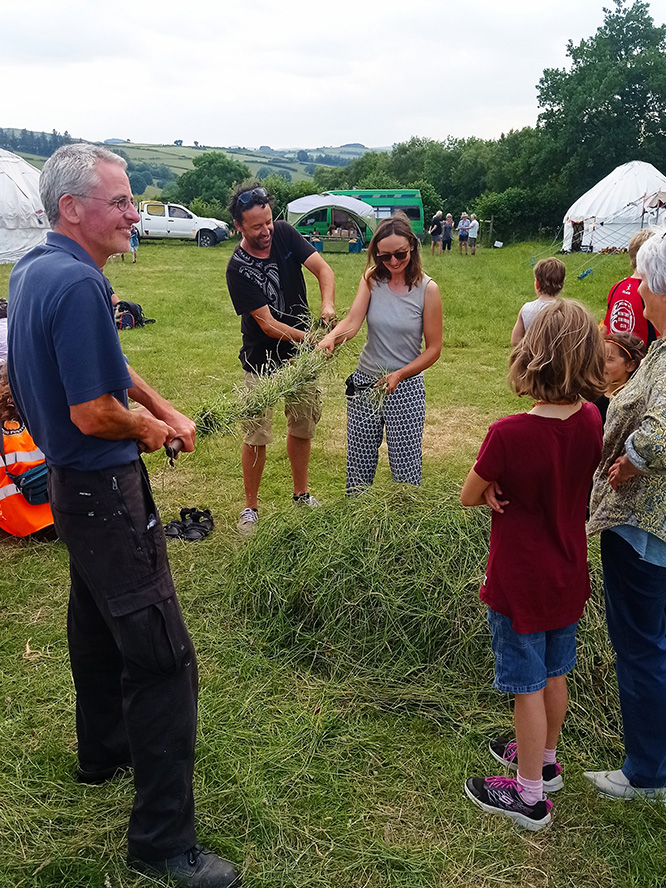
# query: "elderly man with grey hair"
[132,659]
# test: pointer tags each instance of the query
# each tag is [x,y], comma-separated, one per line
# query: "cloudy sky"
[281,72]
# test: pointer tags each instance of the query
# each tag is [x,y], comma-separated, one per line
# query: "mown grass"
[344,659]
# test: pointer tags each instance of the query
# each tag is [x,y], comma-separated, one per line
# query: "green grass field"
[345,666]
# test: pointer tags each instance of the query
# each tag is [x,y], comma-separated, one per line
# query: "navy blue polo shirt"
[64,350]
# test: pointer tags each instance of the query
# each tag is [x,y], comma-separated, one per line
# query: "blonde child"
[534,471]
[548,282]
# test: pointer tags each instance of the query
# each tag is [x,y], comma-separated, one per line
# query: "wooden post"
[490,233]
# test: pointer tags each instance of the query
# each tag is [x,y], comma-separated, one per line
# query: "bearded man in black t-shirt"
[267,288]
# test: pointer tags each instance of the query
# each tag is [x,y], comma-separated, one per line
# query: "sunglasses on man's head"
[254,195]
[400,255]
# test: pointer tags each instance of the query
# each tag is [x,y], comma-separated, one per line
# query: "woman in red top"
[534,471]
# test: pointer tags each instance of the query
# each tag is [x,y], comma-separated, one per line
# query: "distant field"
[179,158]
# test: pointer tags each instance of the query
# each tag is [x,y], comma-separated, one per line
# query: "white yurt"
[23,222]
[632,197]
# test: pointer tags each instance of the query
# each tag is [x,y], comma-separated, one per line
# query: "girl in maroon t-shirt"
[534,470]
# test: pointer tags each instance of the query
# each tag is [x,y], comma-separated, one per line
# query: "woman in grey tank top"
[403,310]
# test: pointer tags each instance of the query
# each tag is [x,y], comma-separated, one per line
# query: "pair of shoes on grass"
[615,785]
[247,523]
[197,868]
[194,525]
[503,795]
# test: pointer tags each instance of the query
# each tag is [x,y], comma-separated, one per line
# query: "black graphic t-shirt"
[277,282]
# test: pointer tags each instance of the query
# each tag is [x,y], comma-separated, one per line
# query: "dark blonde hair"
[376,270]
[637,242]
[549,274]
[7,406]
[561,356]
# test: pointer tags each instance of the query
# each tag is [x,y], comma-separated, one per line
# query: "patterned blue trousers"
[402,415]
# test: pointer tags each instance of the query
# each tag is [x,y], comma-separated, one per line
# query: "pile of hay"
[383,589]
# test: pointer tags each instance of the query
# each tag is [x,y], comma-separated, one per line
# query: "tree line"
[30,142]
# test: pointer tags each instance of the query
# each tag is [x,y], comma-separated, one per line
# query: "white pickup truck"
[173,221]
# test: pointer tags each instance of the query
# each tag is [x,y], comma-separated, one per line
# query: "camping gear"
[129,315]
[608,215]
[318,214]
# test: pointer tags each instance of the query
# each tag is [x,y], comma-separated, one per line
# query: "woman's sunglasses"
[400,255]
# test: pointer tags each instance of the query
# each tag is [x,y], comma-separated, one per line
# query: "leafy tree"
[212,209]
[213,176]
[283,192]
[263,172]
[139,182]
[309,169]
[303,156]
[610,106]
[178,142]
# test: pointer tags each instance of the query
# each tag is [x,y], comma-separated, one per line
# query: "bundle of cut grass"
[384,589]
[291,381]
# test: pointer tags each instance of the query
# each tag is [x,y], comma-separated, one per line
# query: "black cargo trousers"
[132,659]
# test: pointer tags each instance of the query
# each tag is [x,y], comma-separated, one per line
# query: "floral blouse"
[635,425]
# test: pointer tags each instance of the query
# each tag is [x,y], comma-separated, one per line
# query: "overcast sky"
[283,73]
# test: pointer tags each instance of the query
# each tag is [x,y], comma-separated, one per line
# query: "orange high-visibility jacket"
[17,516]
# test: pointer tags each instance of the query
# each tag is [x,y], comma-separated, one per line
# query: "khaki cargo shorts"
[302,416]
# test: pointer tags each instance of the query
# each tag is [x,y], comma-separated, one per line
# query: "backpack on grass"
[130,314]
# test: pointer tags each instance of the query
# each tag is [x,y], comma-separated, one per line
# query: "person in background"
[268,290]
[435,232]
[447,232]
[624,311]
[18,454]
[403,308]
[463,232]
[134,242]
[473,233]
[549,277]
[628,509]
[534,471]
[132,659]
[624,353]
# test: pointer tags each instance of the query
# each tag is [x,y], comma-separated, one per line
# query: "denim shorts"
[524,662]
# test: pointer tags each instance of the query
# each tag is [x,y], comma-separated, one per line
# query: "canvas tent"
[632,197]
[23,222]
[362,213]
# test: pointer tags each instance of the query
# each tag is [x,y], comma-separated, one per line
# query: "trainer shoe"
[196,868]
[304,499]
[502,795]
[615,785]
[506,752]
[247,523]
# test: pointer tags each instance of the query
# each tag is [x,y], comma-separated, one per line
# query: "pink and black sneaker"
[506,752]
[503,795]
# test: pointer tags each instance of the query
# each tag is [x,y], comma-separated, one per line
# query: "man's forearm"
[162,409]
[107,418]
